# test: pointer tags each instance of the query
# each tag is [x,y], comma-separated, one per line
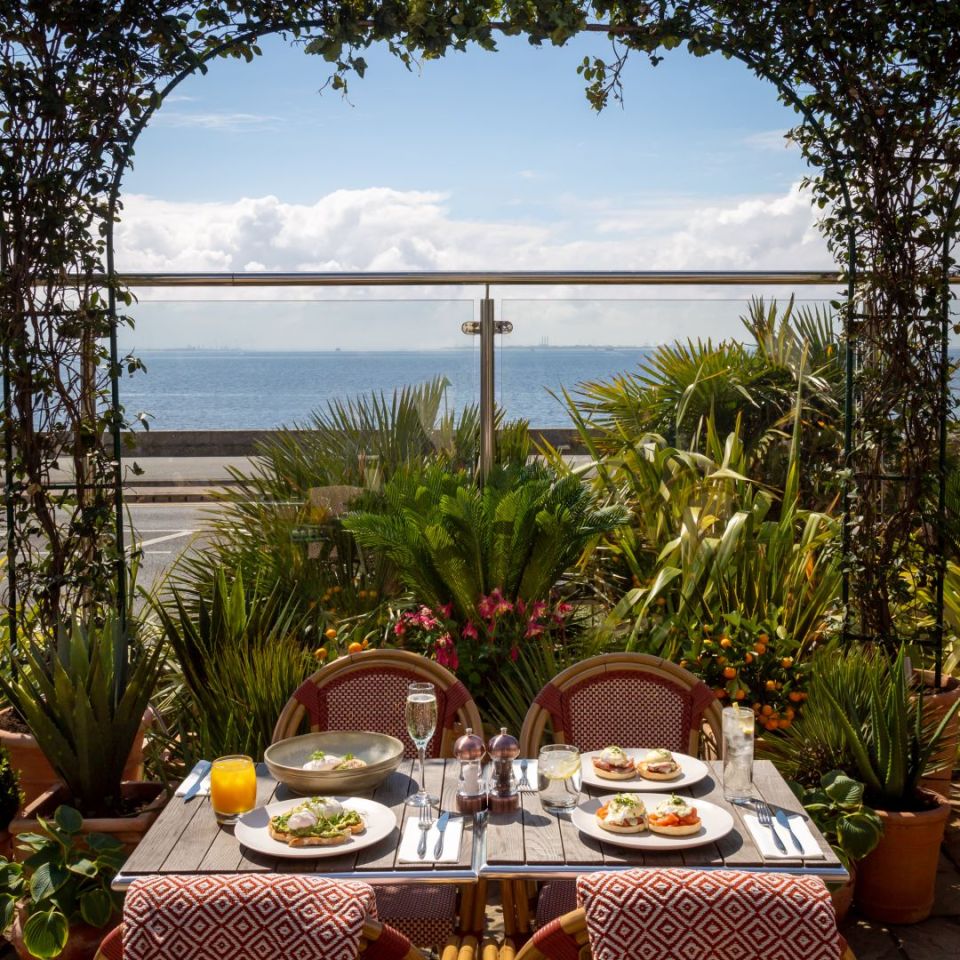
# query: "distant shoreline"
[239,351]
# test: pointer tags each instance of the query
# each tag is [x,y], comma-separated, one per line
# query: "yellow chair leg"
[509,910]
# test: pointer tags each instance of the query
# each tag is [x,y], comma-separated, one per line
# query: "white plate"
[251,829]
[715,822]
[692,771]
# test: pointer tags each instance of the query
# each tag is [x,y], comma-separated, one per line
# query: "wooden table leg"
[509,909]
[480,906]
[521,906]
[468,895]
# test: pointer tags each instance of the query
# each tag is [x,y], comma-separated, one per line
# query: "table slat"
[541,832]
[225,854]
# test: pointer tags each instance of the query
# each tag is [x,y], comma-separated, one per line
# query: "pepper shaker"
[503,749]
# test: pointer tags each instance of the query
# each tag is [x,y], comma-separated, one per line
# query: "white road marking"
[169,536]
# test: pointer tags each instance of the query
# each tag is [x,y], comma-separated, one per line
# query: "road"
[162,531]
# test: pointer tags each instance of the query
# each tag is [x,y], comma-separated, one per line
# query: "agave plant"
[884,729]
[83,697]
[453,542]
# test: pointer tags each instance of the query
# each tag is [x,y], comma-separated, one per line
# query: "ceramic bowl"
[382,754]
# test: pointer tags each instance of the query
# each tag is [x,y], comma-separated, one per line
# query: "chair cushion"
[244,917]
[703,915]
[426,914]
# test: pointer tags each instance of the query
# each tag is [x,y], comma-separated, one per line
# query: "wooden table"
[186,838]
[530,844]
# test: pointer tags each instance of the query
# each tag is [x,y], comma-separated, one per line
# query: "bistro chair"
[629,699]
[252,916]
[367,691]
[694,914]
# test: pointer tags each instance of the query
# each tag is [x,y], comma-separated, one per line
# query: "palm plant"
[240,658]
[452,541]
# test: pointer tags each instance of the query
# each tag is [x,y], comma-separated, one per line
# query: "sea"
[234,390]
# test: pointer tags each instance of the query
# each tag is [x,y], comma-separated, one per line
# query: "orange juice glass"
[233,787]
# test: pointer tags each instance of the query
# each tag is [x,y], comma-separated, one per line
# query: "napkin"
[766,846]
[411,838]
[201,771]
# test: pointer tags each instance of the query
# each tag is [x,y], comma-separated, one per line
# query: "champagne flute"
[421,716]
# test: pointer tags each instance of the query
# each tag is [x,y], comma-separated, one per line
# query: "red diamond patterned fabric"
[244,917]
[624,706]
[708,915]
[372,699]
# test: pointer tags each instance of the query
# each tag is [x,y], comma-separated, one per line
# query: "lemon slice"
[563,771]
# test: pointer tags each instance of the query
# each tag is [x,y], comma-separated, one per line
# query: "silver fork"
[523,783]
[766,820]
[425,822]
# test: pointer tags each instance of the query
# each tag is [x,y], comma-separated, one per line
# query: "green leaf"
[842,789]
[859,833]
[68,819]
[96,907]
[45,933]
[8,906]
[83,867]
[47,879]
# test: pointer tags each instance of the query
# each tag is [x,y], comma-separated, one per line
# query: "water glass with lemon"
[558,777]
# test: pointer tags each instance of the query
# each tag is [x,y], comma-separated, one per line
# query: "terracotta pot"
[895,883]
[842,895]
[36,774]
[936,702]
[82,941]
[128,830]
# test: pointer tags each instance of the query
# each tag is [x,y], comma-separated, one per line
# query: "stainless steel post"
[488,439]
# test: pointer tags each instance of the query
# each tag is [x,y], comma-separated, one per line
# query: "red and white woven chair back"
[708,915]
[626,707]
[245,917]
[372,699]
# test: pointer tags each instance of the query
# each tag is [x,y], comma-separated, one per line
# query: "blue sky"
[474,161]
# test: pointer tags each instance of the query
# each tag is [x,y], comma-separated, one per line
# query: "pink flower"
[400,628]
[534,629]
[536,609]
[503,606]
[446,652]
[447,611]
[521,606]
[563,609]
[486,607]
[469,631]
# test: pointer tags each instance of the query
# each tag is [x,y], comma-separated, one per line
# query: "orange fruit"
[726,642]
[771,685]
[784,723]
[762,638]
[756,707]
[729,672]
[683,663]
[366,643]
[721,661]
[772,724]
[708,642]
[748,658]
[786,662]
[795,696]
[721,693]
[355,647]
[320,653]
[740,694]
[766,709]
[789,713]
[330,633]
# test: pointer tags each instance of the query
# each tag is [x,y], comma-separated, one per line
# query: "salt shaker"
[471,791]
[503,750]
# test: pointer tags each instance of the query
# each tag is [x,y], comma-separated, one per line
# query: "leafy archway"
[877,89]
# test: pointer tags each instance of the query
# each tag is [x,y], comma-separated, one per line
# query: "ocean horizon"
[212,389]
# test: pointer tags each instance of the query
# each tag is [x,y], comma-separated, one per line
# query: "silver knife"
[441,826]
[784,821]
[201,769]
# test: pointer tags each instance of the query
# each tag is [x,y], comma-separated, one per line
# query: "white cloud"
[769,140]
[226,122]
[381,229]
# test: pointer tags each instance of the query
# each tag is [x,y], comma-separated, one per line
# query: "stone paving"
[937,938]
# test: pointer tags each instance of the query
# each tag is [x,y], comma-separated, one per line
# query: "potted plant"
[10,800]
[83,698]
[57,902]
[892,745]
[853,830]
